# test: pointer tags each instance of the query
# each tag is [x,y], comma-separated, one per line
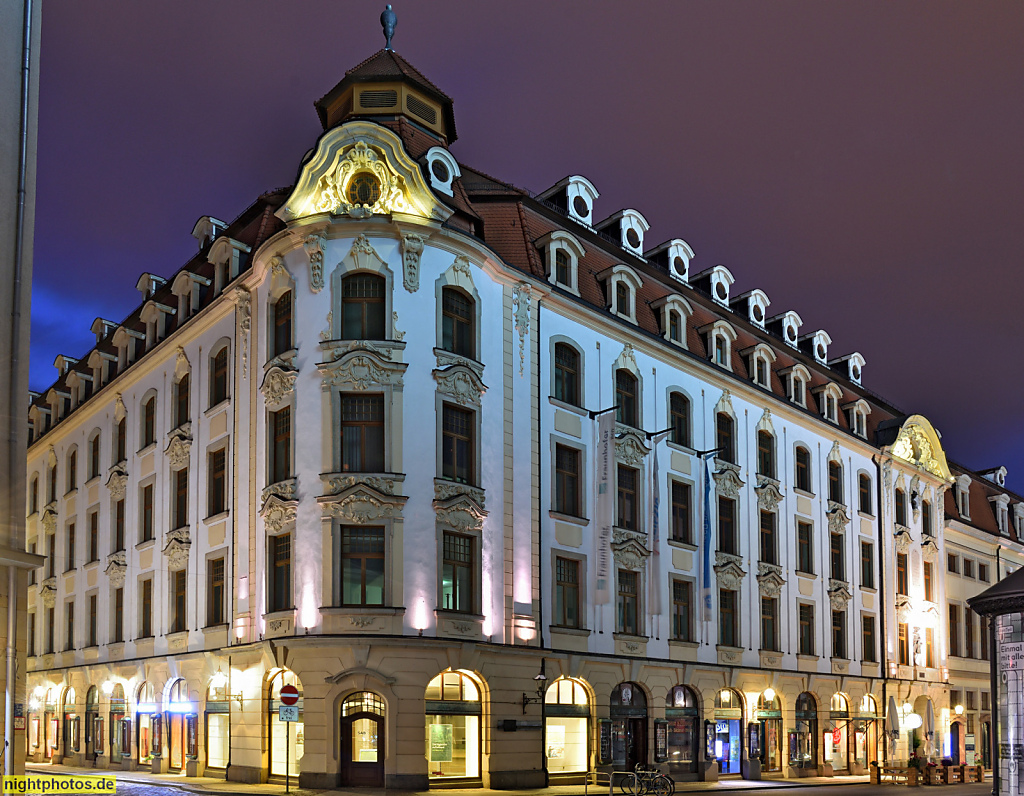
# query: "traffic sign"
[289,695]
[288,713]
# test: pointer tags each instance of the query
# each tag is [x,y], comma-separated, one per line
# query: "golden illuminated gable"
[918,443]
[360,169]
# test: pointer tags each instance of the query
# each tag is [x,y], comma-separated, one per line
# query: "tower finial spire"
[388,21]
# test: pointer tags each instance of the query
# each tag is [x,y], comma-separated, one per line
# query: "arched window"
[679,418]
[901,507]
[626,397]
[864,490]
[219,376]
[835,482]
[217,722]
[149,421]
[765,454]
[458,333]
[94,455]
[121,441]
[803,469]
[868,706]
[181,403]
[563,268]
[453,710]
[567,374]
[804,748]
[282,324]
[926,518]
[73,469]
[839,704]
[363,702]
[362,307]
[726,437]
[623,299]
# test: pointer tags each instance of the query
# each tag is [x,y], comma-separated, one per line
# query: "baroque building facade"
[505,493]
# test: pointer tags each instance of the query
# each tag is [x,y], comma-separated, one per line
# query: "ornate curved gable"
[356,148]
[918,443]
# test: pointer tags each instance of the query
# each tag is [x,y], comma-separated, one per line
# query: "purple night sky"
[862,163]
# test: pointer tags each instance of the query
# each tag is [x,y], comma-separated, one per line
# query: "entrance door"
[771,745]
[955,732]
[90,732]
[362,750]
[629,742]
[176,741]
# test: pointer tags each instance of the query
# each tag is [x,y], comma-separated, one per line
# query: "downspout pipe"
[15,453]
[883,638]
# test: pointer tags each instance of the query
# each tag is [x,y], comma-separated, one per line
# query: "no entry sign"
[289,695]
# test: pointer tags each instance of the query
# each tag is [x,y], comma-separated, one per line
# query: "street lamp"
[959,710]
[541,680]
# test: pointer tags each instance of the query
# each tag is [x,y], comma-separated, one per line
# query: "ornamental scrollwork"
[336,484]
[838,594]
[399,336]
[769,579]
[729,569]
[182,367]
[462,266]
[359,507]
[362,622]
[461,384]
[277,385]
[460,513]
[445,490]
[285,490]
[330,193]
[116,569]
[929,550]
[48,591]
[278,513]
[768,493]
[838,519]
[49,521]
[360,372]
[902,540]
[117,483]
[178,545]
[521,317]
[178,451]
[629,553]
[119,411]
[315,246]
[630,449]
[727,480]
[412,248]
[903,608]
[243,301]
[383,350]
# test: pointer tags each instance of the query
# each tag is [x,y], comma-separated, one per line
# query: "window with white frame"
[760,359]
[720,336]
[562,255]
[963,496]
[1018,519]
[673,314]
[1001,508]
[797,377]
[857,413]
[828,396]
[622,284]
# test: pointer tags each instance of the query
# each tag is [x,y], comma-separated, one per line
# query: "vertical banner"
[605,450]
[654,572]
[705,592]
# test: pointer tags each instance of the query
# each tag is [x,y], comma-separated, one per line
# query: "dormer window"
[622,286]
[155,315]
[627,227]
[442,169]
[575,196]
[796,378]
[963,496]
[207,229]
[817,345]
[760,359]
[754,304]
[716,282]
[674,256]
[1018,519]
[857,413]
[720,337]
[854,364]
[787,326]
[674,311]
[1001,508]
[828,401]
[562,255]
[226,255]
[188,287]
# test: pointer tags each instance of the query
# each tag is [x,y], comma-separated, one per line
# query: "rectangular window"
[867,565]
[94,456]
[180,516]
[806,629]
[770,623]
[179,582]
[51,629]
[217,497]
[458,451]
[954,630]
[121,441]
[929,594]
[837,556]
[628,603]
[92,620]
[362,432]
[902,644]
[119,526]
[681,527]
[32,576]
[146,609]
[70,552]
[117,624]
[280,598]
[31,635]
[51,555]
[362,565]
[926,518]
[983,637]
[768,545]
[728,630]
[146,527]
[567,480]
[69,617]
[567,592]
[868,639]
[727,526]
[864,490]
[628,503]
[457,573]
[281,450]
[901,507]
[968,570]
[929,647]
[682,610]
[953,563]
[215,591]
[149,422]
[94,536]
[968,633]
[219,377]
[901,574]
[181,412]
[283,324]
[804,547]
[983,572]
[839,634]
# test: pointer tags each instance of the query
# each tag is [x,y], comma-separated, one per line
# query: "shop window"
[566,734]
[729,728]
[287,738]
[453,728]
[803,752]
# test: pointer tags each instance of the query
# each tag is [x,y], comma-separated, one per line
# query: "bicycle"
[646,781]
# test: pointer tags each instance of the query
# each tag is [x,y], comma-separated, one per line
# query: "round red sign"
[289,695]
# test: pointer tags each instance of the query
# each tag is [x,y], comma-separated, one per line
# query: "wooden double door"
[362,750]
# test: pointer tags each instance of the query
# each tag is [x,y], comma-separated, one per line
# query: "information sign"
[288,713]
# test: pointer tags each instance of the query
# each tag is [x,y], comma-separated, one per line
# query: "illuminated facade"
[352,447]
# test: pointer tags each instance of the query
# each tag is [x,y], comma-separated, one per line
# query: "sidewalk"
[213,785]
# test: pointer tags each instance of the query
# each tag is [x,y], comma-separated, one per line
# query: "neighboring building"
[351,446]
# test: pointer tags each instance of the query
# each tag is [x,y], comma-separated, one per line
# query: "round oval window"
[680,265]
[791,333]
[439,170]
[721,291]
[758,313]
[579,204]
[632,238]
[821,351]
[856,372]
[364,189]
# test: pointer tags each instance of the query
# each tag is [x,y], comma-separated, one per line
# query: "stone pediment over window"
[184,431]
[178,544]
[918,443]
[48,591]
[629,548]
[285,490]
[460,513]
[838,519]
[278,513]
[49,520]
[446,359]
[929,550]
[277,385]
[117,482]
[336,483]
[630,447]
[727,479]
[361,370]
[931,614]
[178,449]
[903,608]
[729,569]
[460,383]
[768,493]
[116,569]
[361,169]
[838,594]
[361,502]
[445,489]
[769,579]
[903,539]
[383,349]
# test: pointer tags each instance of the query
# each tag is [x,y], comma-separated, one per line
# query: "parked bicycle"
[645,781]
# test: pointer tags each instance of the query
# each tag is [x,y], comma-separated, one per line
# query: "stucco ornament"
[463,266]
[360,507]
[178,451]
[120,413]
[903,608]
[278,513]
[116,569]
[461,384]
[336,484]
[445,490]
[176,549]
[51,454]
[918,443]
[725,404]
[277,385]
[243,302]
[630,448]
[838,594]
[627,359]
[399,336]
[332,195]
[729,569]
[929,550]
[768,493]
[117,483]
[521,316]
[628,549]
[182,367]
[460,513]
[315,246]
[887,476]
[49,521]
[727,479]
[328,333]
[902,540]
[412,248]
[838,519]
[286,490]
[48,591]
[915,496]
[361,371]
[769,579]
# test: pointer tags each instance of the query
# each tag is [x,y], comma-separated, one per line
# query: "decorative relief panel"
[335,484]
[382,349]
[460,513]
[277,386]
[729,569]
[285,490]
[929,550]
[838,594]
[178,544]
[243,301]
[461,384]
[445,489]
[630,448]
[49,520]
[315,246]
[838,519]
[521,317]
[117,482]
[629,549]
[727,479]
[48,591]
[412,248]
[903,539]
[119,413]
[903,609]
[182,366]
[330,195]
[278,513]
[361,502]
[177,451]
[768,493]
[769,579]
[918,444]
[915,496]
[361,371]
[116,569]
